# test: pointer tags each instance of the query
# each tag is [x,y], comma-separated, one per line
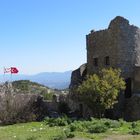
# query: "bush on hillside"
[77,126]
[134,125]
[62,121]
[135,128]
[92,125]
[112,123]
[99,128]
[47,96]
[68,133]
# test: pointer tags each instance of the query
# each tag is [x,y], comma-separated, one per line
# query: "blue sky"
[49,35]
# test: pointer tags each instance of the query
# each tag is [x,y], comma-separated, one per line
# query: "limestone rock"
[78,76]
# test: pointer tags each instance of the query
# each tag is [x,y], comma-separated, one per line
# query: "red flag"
[14,70]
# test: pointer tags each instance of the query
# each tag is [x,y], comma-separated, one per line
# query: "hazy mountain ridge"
[58,80]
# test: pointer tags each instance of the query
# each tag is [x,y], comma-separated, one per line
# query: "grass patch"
[63,128]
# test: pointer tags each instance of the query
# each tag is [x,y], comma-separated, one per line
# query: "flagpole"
[4,74]
[11,77]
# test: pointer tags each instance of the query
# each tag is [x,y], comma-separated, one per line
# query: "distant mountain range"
[57,80]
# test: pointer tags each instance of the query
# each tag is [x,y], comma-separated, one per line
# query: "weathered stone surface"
[78,75]
[121,42]
[132,108]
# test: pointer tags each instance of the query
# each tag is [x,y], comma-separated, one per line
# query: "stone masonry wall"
[120,42]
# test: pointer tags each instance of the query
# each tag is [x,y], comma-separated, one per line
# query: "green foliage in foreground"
[92,129]
[64,121]
[100,91]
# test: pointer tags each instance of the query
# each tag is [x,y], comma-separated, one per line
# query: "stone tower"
[118,46]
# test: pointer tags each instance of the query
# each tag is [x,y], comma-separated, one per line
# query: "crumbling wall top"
[118,21]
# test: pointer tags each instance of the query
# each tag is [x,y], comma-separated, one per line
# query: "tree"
[100,91]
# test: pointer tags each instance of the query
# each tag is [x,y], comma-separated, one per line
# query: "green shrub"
[100,128]
[72,127]
[95,125]
[86,124]
[77,126]
[112,123]
[135,129]
[63,121]
[122,122]
[68,133]
[134,132]
[107,122]
[47,96]
[71,135]
[134,125]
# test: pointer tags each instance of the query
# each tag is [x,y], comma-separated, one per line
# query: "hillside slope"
[26,86]
[56,80]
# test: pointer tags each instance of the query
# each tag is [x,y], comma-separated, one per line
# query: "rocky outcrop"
[78,76]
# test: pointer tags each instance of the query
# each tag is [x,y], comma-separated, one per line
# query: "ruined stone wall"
[121,42]
[99,45]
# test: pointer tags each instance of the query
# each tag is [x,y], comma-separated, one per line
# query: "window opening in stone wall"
[95,62]
[128,90]
[107,60]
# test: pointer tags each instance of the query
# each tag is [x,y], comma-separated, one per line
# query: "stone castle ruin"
[118,46]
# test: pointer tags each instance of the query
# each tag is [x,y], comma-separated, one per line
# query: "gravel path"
[122,137]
